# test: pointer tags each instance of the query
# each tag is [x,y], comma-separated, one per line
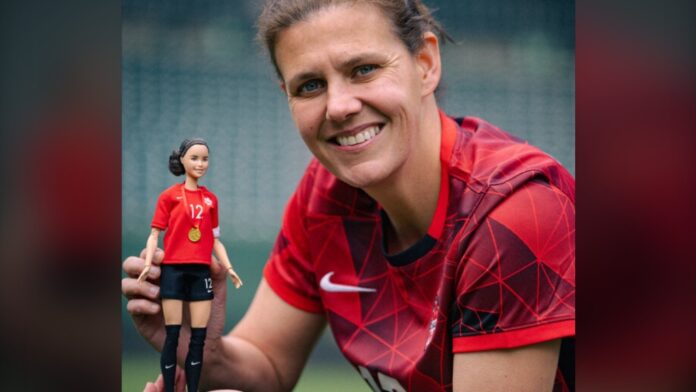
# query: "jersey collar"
[427,242]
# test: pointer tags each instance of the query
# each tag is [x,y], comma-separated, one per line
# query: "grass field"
[341,377]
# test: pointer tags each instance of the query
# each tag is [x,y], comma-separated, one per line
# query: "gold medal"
[194,234]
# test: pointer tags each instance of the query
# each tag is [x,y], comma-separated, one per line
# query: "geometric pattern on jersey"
[523,283]
[499,275]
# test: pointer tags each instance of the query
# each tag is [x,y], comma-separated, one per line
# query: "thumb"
[217,271]
[216,322]
[180,380]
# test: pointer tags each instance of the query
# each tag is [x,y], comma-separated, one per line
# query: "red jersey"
[495,270]
[178,210]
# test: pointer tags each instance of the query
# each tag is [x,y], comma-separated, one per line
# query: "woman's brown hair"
[410,20]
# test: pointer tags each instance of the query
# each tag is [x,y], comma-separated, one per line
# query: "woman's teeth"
[361,137]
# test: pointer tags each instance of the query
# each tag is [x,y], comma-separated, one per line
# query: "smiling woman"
[440,250]
[344,83]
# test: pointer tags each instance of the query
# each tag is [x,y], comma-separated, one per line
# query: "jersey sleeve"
[215,215]
[515,284]
[289,270]
[160,220]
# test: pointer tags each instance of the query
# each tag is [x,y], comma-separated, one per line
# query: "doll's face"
[195,161]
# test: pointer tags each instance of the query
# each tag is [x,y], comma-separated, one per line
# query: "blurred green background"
[192,68]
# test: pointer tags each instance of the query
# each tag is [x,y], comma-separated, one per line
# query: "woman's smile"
[354,92]
[356,138]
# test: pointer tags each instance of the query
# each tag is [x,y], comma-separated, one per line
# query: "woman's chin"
[363,177]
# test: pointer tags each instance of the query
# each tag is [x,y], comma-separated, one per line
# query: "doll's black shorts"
[187,282]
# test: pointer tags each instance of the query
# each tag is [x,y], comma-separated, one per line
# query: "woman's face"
[354,91]
[195,161]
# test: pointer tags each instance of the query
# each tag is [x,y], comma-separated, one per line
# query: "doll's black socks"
[168,357]
[194,359]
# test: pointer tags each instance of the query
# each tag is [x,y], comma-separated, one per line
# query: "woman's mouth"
[358,138]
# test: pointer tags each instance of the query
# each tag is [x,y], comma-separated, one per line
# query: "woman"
[189,214]
[439,250]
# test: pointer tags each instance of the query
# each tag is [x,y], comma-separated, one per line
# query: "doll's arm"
[150,248]
[221,254]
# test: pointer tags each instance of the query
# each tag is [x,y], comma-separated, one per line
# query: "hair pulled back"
[175,165]
[410,20]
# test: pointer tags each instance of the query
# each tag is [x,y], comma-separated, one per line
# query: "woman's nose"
[341,102]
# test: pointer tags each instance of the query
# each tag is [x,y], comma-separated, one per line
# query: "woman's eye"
[365,69]
[310,86]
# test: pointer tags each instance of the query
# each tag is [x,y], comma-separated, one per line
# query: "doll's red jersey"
[178,211]
[495,270]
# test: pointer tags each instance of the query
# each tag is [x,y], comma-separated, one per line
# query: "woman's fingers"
[180,379]
[142,307]
[133,266]
[157,258]
[131,288]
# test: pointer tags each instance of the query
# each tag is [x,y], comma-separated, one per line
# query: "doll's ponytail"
[175,165]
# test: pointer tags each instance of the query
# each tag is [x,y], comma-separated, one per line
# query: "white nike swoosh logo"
[168,366]
[195,363]
[327,285]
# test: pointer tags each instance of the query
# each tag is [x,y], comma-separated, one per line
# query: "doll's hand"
[236,280]
[143,274]
[143,297]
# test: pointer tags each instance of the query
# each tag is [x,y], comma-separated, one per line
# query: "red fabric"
[177,219]
[448,137]
[499,274]
[514,338]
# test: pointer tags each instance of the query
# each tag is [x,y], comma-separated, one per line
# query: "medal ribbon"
[195,223]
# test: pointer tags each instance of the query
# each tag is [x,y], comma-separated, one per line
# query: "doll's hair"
[175,165]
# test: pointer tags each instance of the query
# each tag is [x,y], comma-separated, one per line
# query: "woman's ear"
[428,59]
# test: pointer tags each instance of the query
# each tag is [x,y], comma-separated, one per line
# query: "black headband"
[188,143]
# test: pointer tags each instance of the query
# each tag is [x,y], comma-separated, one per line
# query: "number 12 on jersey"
[196,211]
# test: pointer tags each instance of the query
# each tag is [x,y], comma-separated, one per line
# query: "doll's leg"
[172,320]
[200,313]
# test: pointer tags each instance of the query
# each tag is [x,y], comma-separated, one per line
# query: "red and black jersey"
[178,210]
[495,270]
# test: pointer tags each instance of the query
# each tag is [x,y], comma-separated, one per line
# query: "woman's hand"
[144,303]
[158,385]
[143,297]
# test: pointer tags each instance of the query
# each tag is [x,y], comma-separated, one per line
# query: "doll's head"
[175,165]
